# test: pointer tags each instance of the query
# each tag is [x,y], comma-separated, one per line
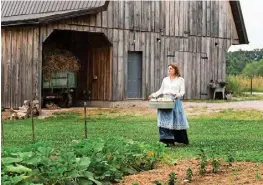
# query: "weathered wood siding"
[20,66]
[188,32]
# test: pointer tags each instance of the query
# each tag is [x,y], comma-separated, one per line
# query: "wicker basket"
[161,104]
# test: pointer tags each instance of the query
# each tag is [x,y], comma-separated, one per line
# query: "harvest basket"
[161,104]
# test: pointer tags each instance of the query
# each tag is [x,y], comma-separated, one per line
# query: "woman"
[172,123]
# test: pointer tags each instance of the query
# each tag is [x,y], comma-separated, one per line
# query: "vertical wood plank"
[156,14]
[176,17]
[3,67]
[147,63]
[19,67]
[212,14]
[171,18]
[8,84]
[199,17]
[162,17]
[13,68]
[125,62]
[120,65]
[208,18]
[186,18]
[30,64]
[152,62]
[110,14]
[167,17]
[137,15]
[143,86]
[115,64]
[151,16]
[121,14]
[181,18]
[127,16]
[204,21]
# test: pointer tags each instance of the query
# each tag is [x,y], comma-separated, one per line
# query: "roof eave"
[239,22]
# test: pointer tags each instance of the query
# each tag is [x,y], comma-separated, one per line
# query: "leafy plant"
[189,174]
[215,164]
[91,162]
[203,163]
[230,158]
[156,182]
[172,178]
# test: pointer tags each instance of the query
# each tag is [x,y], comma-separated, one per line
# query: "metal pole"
[85,119]
[33,124]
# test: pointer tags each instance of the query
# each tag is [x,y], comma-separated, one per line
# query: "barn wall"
[20,69]
[186,27]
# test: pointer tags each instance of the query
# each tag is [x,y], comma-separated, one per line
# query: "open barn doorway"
[76,66]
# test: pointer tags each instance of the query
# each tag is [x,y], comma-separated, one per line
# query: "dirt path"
[141,108]
[191,108]
[228,105]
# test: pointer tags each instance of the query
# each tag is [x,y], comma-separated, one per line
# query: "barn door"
[134,89]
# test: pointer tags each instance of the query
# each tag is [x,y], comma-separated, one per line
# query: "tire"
[66,101]
[70,100]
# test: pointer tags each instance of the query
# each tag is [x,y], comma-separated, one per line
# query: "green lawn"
[219,134]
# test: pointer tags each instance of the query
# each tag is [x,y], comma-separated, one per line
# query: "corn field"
[238,84]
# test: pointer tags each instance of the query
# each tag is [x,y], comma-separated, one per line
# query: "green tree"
[236,61]
[253,69]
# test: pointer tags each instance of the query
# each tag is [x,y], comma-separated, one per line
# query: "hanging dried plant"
[59,60]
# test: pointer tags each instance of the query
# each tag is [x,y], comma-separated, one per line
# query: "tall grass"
[238,84]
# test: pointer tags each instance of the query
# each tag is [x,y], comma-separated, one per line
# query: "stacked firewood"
[59,60]
[28,109]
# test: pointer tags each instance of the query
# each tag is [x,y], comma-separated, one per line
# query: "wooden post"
[33,124]
[251,85]
[2,131]
[85,119]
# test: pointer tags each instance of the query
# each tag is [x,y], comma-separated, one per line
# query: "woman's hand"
[150,97]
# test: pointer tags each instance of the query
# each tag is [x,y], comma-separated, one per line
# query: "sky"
[253,16]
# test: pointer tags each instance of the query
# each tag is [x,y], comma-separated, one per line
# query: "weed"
[172,178]
[189,174]
[215,164]
[203,162]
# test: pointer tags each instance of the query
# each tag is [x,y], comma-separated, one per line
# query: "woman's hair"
[176,69]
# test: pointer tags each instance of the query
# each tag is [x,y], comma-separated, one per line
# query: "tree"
[253,69]
[237,60]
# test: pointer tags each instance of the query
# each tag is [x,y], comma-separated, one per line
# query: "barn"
[123,47]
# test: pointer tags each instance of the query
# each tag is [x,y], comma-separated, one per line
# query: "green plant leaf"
[84,161]
[17,169]
[10,160]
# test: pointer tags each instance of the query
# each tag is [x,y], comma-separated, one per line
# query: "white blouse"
[174,86]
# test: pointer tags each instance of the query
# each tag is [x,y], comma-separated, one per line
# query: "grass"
[236,132]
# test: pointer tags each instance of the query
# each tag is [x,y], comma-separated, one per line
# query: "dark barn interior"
[94,53]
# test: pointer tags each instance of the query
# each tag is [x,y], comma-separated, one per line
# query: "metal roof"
[34,11]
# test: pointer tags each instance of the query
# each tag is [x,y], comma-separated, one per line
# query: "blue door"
[134,74]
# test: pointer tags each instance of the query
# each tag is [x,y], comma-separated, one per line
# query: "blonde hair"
[176,69]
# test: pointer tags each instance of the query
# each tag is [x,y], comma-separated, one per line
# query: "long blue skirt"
[172,124]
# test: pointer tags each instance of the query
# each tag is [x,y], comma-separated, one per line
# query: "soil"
[239,173]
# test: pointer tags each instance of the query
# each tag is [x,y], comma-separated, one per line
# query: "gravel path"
[228,105]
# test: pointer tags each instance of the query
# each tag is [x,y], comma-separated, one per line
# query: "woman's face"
[171,70]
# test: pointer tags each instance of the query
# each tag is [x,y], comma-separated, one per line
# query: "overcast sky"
[253,16]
